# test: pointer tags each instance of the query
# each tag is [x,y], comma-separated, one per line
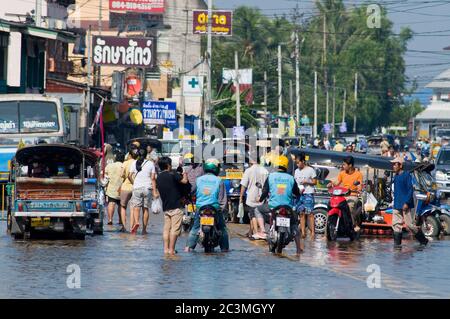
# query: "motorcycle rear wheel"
[279,247]
[331,228]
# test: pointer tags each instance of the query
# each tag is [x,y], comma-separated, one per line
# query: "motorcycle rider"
[280,187]
[210,191]
[348,178]
[403,205]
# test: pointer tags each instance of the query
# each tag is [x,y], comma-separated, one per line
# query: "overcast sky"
[430,20]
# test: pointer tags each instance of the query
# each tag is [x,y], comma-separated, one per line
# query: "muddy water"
[118,265]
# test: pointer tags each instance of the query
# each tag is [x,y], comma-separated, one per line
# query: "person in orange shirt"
[352,179]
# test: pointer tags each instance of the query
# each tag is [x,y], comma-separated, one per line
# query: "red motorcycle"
[339,222]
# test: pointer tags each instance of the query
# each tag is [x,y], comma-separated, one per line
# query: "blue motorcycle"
[433,217]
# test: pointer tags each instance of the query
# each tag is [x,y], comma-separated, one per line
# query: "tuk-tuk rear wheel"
[445,224]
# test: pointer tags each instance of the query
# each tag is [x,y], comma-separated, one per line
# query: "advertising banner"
[221,22]
[118,51]
[148,6]
[160,112]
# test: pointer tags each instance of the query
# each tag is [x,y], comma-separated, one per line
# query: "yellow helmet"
[188,156]
[280,161]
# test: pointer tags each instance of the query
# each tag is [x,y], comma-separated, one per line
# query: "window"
[3,56]
[28,117]
[9,117]
[444,158]
[37,116]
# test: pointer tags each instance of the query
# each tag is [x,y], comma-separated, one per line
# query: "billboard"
[160,112]
[118,51]
[147,6]
[221,22]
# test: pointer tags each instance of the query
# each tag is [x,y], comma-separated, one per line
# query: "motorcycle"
[281,232]
[189,212]
[339,221]
[209,234]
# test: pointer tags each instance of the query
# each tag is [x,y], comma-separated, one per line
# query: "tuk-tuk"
[94,198]
[375,200]
[47,192]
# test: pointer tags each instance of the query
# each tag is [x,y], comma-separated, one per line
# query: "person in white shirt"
[143,176]
[306,178]
[327,144]
[253,175]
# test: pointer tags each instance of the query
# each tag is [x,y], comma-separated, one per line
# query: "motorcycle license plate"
[40,222]
[207,221]
[234,174]
[283,222]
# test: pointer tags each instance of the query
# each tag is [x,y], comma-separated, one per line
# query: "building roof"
[441,81]
[436,111]
[32,30]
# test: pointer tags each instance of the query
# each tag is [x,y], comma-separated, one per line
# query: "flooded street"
[118,265]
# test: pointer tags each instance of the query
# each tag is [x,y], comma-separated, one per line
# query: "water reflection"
[118,265]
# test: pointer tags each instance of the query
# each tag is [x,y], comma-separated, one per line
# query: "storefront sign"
[221,22]
[124,51]
[148,6]
[160,112]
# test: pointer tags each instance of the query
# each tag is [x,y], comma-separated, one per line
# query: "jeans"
[193,235]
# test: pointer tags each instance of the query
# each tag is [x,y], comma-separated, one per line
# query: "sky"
[429,20]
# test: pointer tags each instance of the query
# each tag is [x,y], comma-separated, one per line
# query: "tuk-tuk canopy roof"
[91,156]
[378,162]
[49,153]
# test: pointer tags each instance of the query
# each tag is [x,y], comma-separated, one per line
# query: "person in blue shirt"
[403,205]
[210,191]
[280,188]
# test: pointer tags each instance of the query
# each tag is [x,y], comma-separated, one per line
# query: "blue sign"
[159,112]
[327,128]
[343,127]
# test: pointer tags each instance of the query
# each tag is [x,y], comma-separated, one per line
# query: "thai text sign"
[123,51]
[160,112]
[221,22]
[149,6]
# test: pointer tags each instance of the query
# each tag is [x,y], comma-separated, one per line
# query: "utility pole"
[280,97]
[84,112]
[344,104]
[315,104]
[291,99]
[324,65]
[356,102]
[238,91]
[280,92]
[208,117]
[38,14]
[297,78]
[98,67]
[334,105]
[265,96]
[183,62]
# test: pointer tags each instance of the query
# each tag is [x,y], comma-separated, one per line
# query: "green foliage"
[351,47]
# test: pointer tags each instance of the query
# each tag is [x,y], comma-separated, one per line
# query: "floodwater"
[118,265]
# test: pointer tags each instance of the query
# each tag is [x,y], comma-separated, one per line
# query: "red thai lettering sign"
[148,6]
[139,52]
[221,22]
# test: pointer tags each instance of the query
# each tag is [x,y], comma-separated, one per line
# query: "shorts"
[141,198]
[125,197]
[113,200]
[251,212]
[172,222]
[305,204]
